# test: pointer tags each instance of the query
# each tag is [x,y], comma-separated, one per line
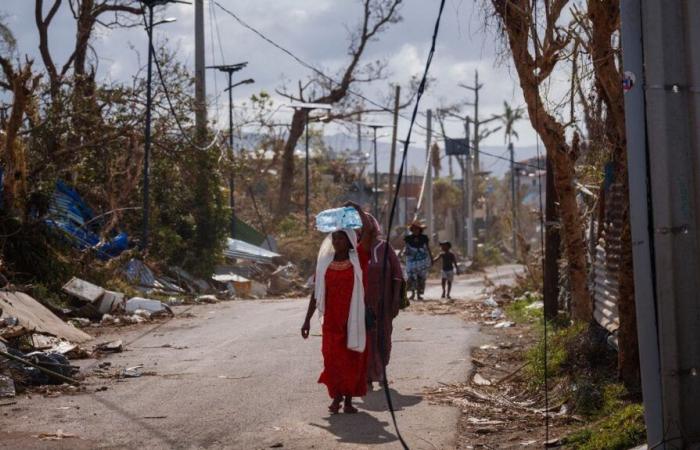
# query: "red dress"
[344,370]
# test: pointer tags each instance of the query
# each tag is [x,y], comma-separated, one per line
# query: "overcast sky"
[315,30]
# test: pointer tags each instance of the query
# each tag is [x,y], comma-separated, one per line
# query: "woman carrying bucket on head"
[339,296]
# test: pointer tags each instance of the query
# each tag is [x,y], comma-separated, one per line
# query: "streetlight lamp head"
[248,81]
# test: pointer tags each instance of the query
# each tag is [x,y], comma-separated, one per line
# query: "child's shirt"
[448,261]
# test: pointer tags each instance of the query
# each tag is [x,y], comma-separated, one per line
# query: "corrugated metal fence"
[606,264]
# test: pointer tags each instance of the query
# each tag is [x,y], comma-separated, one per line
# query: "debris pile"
[35,345]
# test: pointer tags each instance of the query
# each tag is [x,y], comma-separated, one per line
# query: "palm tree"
[509,118]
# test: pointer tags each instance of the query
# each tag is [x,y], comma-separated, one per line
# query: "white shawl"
[356,317]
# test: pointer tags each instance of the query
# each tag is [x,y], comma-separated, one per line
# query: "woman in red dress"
[339,297]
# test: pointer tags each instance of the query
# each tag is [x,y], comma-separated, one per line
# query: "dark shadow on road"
[376,400]
[360,428]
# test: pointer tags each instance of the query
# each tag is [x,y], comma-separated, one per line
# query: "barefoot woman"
[339,297]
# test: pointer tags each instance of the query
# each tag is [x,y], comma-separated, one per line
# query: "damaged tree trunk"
[518,20]
[604,20]
[22,83]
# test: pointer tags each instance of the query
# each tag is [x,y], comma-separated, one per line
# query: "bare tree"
[536,54]
[22,82]
[377,15]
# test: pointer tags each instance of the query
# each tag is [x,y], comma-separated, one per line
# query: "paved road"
[470,286]
[247,380]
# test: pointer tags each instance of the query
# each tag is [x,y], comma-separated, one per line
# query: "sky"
[316,31]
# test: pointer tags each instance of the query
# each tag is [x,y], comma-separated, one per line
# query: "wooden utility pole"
[200,91]
[392,161]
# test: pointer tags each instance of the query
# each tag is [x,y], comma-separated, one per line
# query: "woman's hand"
[305,329]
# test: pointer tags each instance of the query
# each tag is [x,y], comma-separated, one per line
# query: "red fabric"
[344,371]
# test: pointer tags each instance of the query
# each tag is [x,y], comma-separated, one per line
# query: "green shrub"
[620,430]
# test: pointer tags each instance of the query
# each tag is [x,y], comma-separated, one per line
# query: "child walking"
[449,267]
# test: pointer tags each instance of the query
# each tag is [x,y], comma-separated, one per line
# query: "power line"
[308,65]
[170,103]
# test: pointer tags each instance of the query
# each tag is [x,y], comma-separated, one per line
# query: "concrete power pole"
[200,91]
[392,161]
[477,137]
[662,107]
[429,178]
[468,180]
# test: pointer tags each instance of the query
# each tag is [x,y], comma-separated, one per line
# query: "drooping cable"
[381,311]
[311,67]
[171,108]
[542,239]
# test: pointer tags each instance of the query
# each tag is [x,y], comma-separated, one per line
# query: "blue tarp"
[70,214]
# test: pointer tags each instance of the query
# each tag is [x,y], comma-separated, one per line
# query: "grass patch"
[520,310]
[620,430]
[559,342]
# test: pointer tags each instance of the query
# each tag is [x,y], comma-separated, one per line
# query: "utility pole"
[392,159]
[230,69]
[661,60]
[200,91]
[513,201]
[477,137]
[150,4]
[467,221]
[429,178]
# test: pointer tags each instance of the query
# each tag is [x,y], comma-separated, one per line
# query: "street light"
[307,107]
[230,69]
[374,128]
[150,4]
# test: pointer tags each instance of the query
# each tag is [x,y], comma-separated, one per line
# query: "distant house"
[530,181]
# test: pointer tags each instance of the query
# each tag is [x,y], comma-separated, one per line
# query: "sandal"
[334,408]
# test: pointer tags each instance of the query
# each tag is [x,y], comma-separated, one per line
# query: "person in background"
[339,296]
[383,298]
[418,259]
[449,266]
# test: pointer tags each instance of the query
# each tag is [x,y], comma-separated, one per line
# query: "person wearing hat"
[418,259]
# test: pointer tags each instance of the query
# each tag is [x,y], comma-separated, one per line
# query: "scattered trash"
[504,324]
[482,421]
[206,299]
[142,313]
[110,347]
[491,302]
[34,316]
[10,321]
[80,322]
[528,443]
[108,319]
[496,313]
[132,372]
[236,249]
[155,417]
[83,290]
[480,381]
[535,305]
[488,347]
[110,302]
[258,290]
[7,387]
[277,445]
[57,436]
[152,306]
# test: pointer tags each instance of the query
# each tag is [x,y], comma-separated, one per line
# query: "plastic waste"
[336,219]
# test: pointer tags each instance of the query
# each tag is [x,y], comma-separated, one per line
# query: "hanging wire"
[308,65]
[171,108]
[381,312]
[542,240]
